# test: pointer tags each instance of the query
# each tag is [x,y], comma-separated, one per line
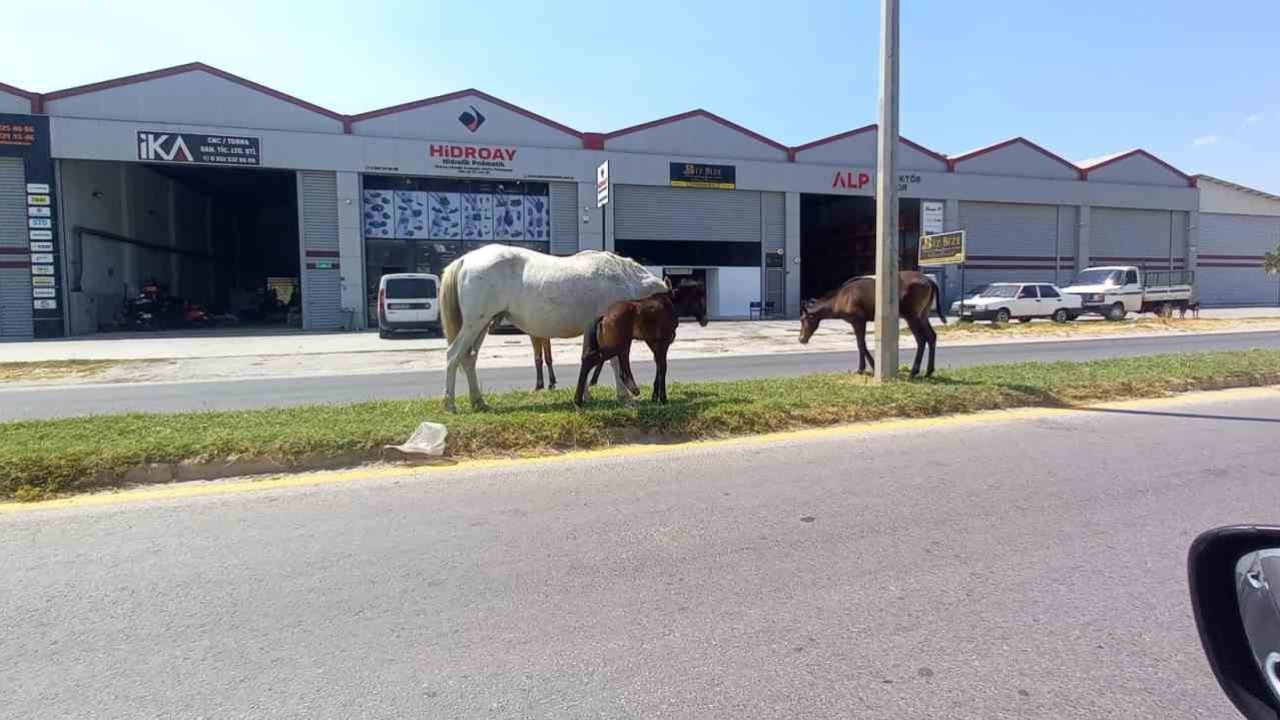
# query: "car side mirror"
[1234,578]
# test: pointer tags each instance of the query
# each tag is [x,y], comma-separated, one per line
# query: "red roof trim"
[33,98]
[868,128]
[699,112]
[833,138]
[17,91]
[1138,151]
[1014,141]
[191,67]
[470,92]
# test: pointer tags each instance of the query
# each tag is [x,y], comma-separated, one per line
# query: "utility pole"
[886,354]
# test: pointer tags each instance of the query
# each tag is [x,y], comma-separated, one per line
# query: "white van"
[408,301]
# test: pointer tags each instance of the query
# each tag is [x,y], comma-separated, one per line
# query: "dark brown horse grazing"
[855,303]
[653,320]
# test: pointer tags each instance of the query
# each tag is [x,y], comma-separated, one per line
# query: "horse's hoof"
[536,388]
[479,405]
[552,386]
[449,407]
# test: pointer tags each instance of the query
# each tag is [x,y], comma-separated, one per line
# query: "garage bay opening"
[837,239]
[156,247]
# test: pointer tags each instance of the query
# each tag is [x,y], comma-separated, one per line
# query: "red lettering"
[838,181]
[437,151]
[470,153]
[486,154]
[863,179]
[511,155]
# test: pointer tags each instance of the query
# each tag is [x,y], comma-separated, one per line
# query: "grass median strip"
[42,458]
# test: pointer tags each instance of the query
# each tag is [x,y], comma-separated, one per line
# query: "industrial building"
[225,191]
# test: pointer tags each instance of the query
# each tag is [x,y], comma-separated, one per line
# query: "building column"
[1193,239]
[792,259]
[589,236]
[351,250]
[1082,237]
[951,273]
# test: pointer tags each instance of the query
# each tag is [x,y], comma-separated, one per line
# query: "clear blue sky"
[1195,82]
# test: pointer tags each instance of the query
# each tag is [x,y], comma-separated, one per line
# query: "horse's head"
[691,300]
[810,316]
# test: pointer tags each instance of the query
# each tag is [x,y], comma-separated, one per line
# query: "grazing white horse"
[543,295]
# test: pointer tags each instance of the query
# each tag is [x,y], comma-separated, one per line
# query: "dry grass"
[53,369]
[1085,328]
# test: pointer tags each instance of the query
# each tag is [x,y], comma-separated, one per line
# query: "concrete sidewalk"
[217,355]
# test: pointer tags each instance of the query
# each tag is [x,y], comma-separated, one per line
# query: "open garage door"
[838,239]
[154,247]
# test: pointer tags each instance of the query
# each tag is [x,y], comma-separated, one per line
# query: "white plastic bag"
[428,440]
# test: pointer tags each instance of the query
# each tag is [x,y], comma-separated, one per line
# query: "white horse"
[543,295]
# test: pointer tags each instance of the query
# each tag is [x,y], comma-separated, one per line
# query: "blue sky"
[1193,82]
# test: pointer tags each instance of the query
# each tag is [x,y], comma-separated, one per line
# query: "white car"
[1002,302]
[408,302]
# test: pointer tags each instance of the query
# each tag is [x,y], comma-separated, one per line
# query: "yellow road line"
[316,479]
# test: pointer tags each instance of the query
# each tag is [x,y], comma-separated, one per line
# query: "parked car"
[408,302]
[1003,302]
[1114,291]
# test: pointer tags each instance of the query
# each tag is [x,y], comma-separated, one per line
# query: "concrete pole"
[886,352]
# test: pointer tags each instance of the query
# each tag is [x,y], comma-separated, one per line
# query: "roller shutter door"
[1009,242]
[774,221]
[15,254]
[564,218]
[1149,238]
[1229,264]
[321,275]
[645,212]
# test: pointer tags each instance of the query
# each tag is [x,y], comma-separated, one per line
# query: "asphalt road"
[1015,568]
[34,403]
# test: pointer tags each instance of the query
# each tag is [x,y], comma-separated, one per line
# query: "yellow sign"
[942,249]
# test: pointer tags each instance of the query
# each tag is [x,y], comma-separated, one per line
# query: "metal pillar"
[886,352]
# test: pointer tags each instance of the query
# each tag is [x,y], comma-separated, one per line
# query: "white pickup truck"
[1114,291]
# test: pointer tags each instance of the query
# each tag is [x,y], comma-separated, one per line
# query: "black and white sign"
[41,269]
[40,234]
[44,292]
[197,148]
[42,247]
[42,223]
[37,211]
[41,257]
[43,282]
[699,175]
[45,304]
[931,217]
[37,189]
[602,184]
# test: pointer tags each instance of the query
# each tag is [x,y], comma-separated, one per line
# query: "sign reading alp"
[602,184]
[942,249]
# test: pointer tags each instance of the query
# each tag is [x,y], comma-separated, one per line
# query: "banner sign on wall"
[942,249]
[26,137]
[697,175]
[931,217]
[198,148]
[472,159]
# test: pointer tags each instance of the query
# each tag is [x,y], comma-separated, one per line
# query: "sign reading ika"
[473,159]
[197,148]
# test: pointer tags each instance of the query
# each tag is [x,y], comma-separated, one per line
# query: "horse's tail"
[450,310]
[937,296]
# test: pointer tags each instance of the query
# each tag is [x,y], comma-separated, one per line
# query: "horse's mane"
[626,267]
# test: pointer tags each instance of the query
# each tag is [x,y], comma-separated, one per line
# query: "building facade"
[217,187]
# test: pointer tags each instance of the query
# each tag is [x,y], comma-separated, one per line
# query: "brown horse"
[653,320]
[541,354]
[855,303]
